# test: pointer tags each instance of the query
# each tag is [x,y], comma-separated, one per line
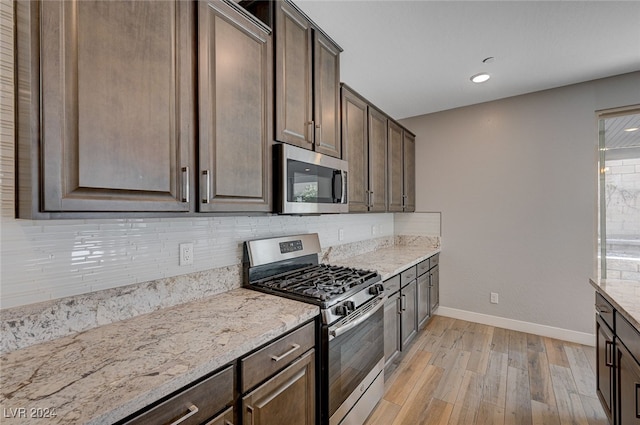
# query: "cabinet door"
[117,95]
[423,299]
[628,393]
[434,289]
[409,317]
[409,171]
[377,160]
[326,90]
[395,176]
[293,97]
[391,328]
[235,69]
[355,139]
[287,398]
[605,367]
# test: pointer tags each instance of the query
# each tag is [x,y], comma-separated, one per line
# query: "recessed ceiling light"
[631,129]
[480,78]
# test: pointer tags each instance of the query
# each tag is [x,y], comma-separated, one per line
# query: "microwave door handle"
[337,186]
[343,198]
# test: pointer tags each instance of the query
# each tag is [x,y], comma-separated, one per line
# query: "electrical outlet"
[494,298]
[340,234]
[186,254]
[373,229]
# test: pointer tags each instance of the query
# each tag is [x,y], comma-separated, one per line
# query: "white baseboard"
[518,325]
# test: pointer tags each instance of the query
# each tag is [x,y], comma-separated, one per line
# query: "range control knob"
[350,305]
[341,310]
[376,289]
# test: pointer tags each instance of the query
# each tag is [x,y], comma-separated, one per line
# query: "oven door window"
[310,183]
[352,355]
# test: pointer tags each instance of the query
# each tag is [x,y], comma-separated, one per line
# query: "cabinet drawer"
[263,363]
[408,275]
[392,285]
[434,261]
[224,418]
[196,404]
[605,310]
[629,336]
[423,267]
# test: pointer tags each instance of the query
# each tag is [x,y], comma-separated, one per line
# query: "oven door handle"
[334,333]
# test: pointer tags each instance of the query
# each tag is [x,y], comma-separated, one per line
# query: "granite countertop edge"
[624,295]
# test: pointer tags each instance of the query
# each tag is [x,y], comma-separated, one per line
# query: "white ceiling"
[416,57]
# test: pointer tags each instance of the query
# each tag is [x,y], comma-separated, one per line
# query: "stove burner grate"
[321,282]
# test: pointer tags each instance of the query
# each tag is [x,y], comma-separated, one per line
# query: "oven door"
[355,357]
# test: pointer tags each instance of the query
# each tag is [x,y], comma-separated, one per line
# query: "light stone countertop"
[389,261]
[105,374]
[624,295]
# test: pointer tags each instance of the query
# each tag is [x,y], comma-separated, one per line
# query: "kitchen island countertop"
[105,374]
[624,295]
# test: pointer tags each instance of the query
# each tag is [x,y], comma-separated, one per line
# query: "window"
[619,195]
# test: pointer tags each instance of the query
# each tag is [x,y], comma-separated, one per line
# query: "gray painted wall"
[515,181]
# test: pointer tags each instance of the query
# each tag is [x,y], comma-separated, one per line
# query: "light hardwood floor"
[459,372]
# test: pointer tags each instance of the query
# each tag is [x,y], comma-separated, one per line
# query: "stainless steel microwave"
[308,182]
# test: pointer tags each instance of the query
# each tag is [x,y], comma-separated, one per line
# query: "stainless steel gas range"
[350,339]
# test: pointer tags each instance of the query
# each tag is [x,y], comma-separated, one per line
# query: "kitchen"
[548,254]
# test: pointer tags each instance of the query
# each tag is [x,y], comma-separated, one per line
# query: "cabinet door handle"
[250,411]
[608,353]
[294,347]
[185,184]
[371,199]
[399,305]
[312,124]
[404,303]
[193,409]
[319,127]
[207,185]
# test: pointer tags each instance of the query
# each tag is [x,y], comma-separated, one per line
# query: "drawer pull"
[250,411]
[608,354]
[193,409]
[602,309]
[294,347]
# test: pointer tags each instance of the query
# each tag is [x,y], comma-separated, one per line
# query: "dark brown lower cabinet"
[628,372]
[604,362]
[409,316]
[628,387]
[209,401]
[618,365]
[423,299]
[287,398]
[391,328]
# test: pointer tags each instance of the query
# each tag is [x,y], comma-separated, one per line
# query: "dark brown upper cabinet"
[106,116]
[307,84]
[235,99]
[401,169]
[364,139]
[409,170]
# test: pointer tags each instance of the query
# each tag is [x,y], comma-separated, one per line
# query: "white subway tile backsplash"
[43,260]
